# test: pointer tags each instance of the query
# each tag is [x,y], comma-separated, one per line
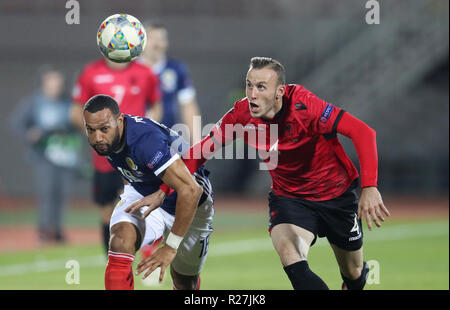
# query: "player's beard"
[109,148]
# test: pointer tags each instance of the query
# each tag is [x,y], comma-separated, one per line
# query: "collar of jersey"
[123,139]
[278,114]
[158,67]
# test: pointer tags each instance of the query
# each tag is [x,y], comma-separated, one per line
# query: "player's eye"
[261,87]
[249,85]
[104,129]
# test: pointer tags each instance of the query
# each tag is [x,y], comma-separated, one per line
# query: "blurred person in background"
[43,121]
[136,90]
[178,93]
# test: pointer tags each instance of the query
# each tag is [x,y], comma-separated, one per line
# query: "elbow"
[192,191]
[197,190]
[373,133]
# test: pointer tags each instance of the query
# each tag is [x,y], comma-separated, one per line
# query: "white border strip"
[167,164]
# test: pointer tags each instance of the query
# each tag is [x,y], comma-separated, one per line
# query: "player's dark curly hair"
[100,102]
[275,65]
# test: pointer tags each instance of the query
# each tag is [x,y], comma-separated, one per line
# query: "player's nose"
[253,92]
[98,136]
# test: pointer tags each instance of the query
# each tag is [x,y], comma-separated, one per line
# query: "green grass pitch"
[404,255]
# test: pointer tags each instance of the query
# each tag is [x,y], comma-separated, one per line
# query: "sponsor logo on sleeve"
[158,156]
[326,113]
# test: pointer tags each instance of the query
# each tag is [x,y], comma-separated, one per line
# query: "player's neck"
[157,64]
[274,112]
[122,139]
[117,66]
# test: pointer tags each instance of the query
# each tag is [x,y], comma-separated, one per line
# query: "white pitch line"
[398,232]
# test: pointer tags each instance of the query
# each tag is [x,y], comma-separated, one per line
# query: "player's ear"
[281,89]
[120,119]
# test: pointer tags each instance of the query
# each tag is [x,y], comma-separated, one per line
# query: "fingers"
[384,210]
[379,214]
[151,265]
[151,207]
[373,215]
[161,274]
[134,206]
[368,218]
[146,213]
[150,270]
[146,263]
[375,218]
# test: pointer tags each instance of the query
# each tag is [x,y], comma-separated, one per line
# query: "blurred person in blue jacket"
[42,120]
[179,95]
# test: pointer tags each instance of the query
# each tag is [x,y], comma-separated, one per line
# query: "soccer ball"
[121,38]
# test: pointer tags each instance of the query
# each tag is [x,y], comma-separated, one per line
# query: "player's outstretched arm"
[176,176]
[197,155]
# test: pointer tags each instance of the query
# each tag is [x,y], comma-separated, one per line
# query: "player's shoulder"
[241,105]
[141,128]
[175,63]
[241,109]
[297,91]
[300,97]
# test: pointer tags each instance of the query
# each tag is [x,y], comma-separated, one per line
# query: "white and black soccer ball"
[121,38]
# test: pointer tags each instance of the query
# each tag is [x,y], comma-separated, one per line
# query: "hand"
[371,207]
[162,257]
[152,201]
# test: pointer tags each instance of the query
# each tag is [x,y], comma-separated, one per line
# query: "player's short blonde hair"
[275,65]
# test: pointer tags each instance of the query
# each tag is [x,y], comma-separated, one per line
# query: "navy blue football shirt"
[176,86]
[148,150]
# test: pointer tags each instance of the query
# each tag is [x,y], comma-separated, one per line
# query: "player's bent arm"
[177,176]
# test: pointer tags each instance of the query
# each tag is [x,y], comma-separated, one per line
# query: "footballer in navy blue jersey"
[147,150]
[148,154]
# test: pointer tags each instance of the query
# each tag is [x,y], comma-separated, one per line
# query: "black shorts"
[335,219]
[106,187]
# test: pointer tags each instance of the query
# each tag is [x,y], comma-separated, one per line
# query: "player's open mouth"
[254,107]
[101,147]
